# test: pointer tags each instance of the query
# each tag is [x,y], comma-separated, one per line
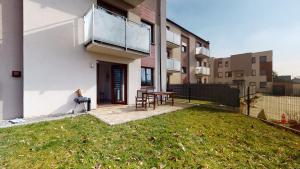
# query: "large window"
[263,85]
[253,72]
[228,74]
[253,60]
[263,59]
[220,63]
[220,75]
[227,64]
[183,47]
[147,76]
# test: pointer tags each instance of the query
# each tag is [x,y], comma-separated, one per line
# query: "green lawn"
[191,138]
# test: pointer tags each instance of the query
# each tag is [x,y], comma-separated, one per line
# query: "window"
[263,85]
[220,63]
[227,64]
[220,75]
[147,76]
[263,59]
[253,72]
[151,27]
[240,74]
[263,72]
[204,64]
[183,70]
[183,47]
[169,54]
[228,74]
[252,83]
[253,60]
[198,44]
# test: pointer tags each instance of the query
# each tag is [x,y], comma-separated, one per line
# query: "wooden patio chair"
[141,99]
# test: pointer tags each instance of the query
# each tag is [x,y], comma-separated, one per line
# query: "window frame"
[226,63]
[183,70]
[184,47]
[253,73]
[253,60]
[263,60]
[220,74]
[227,74]
[263,86]
[220,63]
[147,82]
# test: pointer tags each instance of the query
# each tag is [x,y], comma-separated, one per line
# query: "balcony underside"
[201,56]
[111,50]
[134,2]
[172,45]
[173,71]
[201,75]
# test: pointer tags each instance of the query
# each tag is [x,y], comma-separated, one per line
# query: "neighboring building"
[188,56]
[248,69]
[296,80]
[286,86]
[60,46]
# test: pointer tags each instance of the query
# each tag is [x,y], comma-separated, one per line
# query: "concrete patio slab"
[120,114]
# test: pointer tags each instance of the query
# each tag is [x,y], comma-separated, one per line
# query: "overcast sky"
[240,26]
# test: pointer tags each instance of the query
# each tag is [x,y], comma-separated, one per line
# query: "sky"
[241,26]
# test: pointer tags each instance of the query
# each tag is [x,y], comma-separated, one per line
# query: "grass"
[190,138]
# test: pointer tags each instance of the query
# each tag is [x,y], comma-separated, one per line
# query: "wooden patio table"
[161,94]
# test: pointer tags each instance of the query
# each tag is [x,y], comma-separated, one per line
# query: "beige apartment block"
[188,56]
[248,69]
[49,49]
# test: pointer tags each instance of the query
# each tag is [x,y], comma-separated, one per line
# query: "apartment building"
[188,56]
[248,69]
[107,48]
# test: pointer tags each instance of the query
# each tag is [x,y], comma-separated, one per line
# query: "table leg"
[161,99]
[172,99]
[154,104]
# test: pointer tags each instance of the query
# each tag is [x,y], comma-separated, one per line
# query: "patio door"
[119,84]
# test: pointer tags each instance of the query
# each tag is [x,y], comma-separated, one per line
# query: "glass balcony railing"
[202,71]
[173,65]
[202,51]
[101,25]
[173,38]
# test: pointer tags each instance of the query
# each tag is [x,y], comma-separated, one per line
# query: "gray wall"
[10,58]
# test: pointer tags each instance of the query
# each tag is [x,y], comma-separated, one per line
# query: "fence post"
[189,93]
[248,101]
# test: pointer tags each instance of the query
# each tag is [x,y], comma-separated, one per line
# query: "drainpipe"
[160,51]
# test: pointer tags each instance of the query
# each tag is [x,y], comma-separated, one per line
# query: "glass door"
[119,84]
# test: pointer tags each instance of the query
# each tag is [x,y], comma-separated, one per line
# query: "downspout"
[160,48]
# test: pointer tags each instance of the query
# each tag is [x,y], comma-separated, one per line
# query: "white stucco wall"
[10,58]
[55,60]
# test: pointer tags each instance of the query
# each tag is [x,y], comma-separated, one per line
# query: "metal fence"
[222,94]
[282,109]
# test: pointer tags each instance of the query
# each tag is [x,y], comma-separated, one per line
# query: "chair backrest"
[139,93]
[150,89]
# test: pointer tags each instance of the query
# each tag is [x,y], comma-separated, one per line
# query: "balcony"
[202,71]
[110,34]
[134,3]
[173,65]
[202,52]
[173,40]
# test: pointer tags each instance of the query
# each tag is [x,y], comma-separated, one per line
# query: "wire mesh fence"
[281,109]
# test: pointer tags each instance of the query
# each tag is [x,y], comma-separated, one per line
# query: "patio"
[119,114]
